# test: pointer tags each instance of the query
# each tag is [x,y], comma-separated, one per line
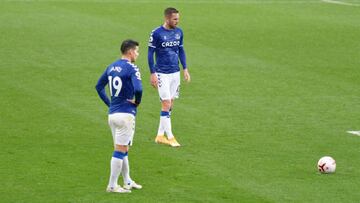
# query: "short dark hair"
[169,11]
[128,44]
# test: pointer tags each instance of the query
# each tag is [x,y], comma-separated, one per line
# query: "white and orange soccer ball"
[326,165]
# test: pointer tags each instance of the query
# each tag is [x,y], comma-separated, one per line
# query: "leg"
[128,182]
[164,94]
[168,90]
[165,117]
[165,111]
[116,165]
[125,171]
[171,106]
[118,128]
[174,93]
[126,167]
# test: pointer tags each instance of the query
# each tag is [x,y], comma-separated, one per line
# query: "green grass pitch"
[275,86]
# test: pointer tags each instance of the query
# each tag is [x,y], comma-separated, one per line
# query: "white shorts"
[122,127]
[169,85]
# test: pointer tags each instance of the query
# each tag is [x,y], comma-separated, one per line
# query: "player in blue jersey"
[166,42]
[124,81]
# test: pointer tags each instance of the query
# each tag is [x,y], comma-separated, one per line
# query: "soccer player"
[166,42]
[124,81]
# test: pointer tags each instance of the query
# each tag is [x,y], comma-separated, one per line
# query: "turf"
[275,86]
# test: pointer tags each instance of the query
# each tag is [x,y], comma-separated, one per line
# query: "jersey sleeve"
[152,46]
[151,63]
[136,82]
[100,88]
[153,39]
[182,55]
[181,39]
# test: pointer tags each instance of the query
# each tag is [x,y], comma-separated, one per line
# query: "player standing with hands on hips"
[124,81]
[166,42]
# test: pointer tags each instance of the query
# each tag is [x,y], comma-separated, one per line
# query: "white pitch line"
[202,1]
[340,3]
[354,132]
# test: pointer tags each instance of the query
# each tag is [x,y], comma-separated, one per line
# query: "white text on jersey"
[170,44]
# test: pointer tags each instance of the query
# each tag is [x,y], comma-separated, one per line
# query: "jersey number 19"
[115,83]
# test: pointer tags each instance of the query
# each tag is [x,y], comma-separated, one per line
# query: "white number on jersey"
[115,83]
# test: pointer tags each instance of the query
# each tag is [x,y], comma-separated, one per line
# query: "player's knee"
[121,148]
[166,104]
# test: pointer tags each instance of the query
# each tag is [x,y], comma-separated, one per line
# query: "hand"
[154,80]
[187,75]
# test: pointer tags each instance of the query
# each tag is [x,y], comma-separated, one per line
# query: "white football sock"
[115,165]
[161,129]
[125,171]
[166,123]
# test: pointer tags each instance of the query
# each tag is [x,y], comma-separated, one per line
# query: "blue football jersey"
[167,44]
[124,81]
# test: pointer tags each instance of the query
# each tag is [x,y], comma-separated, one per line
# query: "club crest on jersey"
[177,36]
[116,68]
[164,37]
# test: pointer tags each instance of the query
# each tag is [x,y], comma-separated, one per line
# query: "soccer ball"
[326,165]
